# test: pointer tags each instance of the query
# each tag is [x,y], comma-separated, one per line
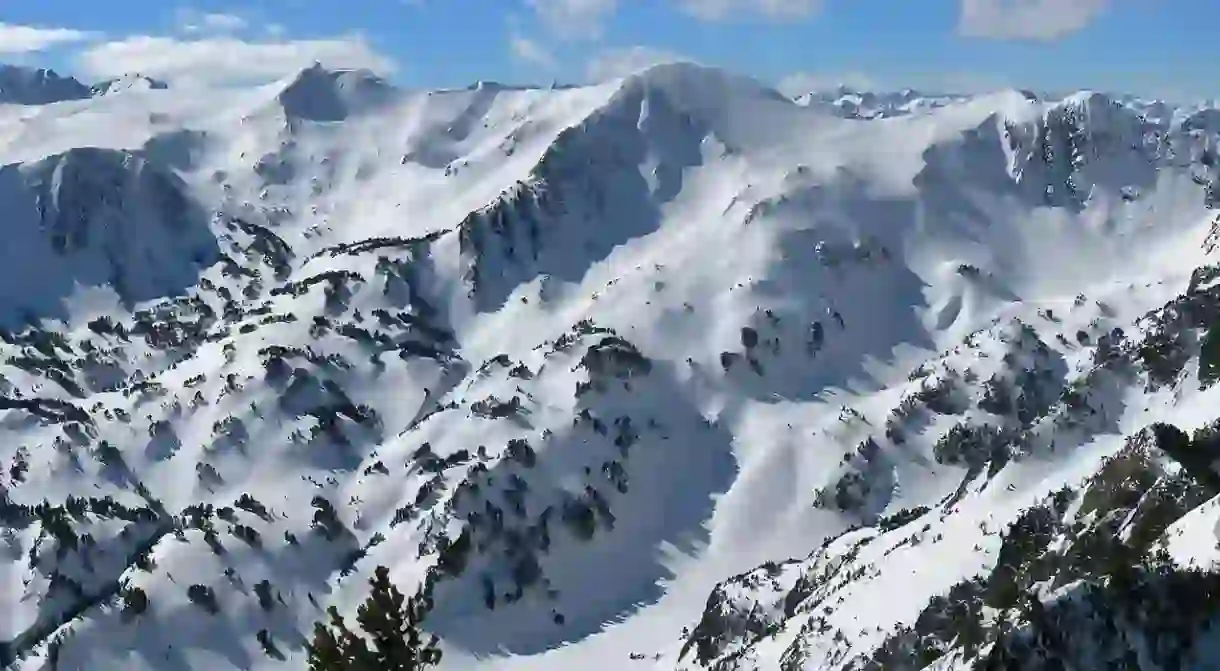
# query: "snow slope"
[669,372]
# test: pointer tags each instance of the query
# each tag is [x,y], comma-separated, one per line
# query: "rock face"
[30,86]
[668,372]
[98,217]
[318,94]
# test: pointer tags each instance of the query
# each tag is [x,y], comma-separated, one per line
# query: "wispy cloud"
[575,19]
[1027,19]
[612,63]
[775,10]
[17,39]
[225,60]
[798,83]
[530,51]
[211,22]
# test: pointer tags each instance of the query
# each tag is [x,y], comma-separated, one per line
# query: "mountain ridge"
[38,86]
[576,357]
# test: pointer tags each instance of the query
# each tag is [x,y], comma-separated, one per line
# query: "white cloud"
[575,19]
[583,19]
[798,83]
[613,63]
[775,10]
[214,22]
[530,51]
[223,60]
[16,39]
[1027,19]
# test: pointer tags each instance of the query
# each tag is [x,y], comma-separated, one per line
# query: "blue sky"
[1153,47]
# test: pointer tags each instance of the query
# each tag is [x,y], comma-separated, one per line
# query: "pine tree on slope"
[390,621]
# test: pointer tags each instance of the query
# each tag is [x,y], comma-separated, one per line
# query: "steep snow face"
[97,218]
[1085,143]
[318,94]
[669,372]
[30,86]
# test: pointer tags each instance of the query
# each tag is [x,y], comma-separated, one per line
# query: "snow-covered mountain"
[670,372]
[128,82]
[37,86]
[849,103]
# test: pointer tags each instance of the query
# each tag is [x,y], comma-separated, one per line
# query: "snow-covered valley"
[670,372]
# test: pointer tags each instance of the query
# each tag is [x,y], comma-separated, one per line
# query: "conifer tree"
[389,621]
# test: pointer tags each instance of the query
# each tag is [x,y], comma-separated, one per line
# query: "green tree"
[135,602]
[389,621]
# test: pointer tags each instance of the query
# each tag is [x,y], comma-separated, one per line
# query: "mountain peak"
[701,84]
[38,86]
[317,93]
[133,81]
[1094,112]
[566,361]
